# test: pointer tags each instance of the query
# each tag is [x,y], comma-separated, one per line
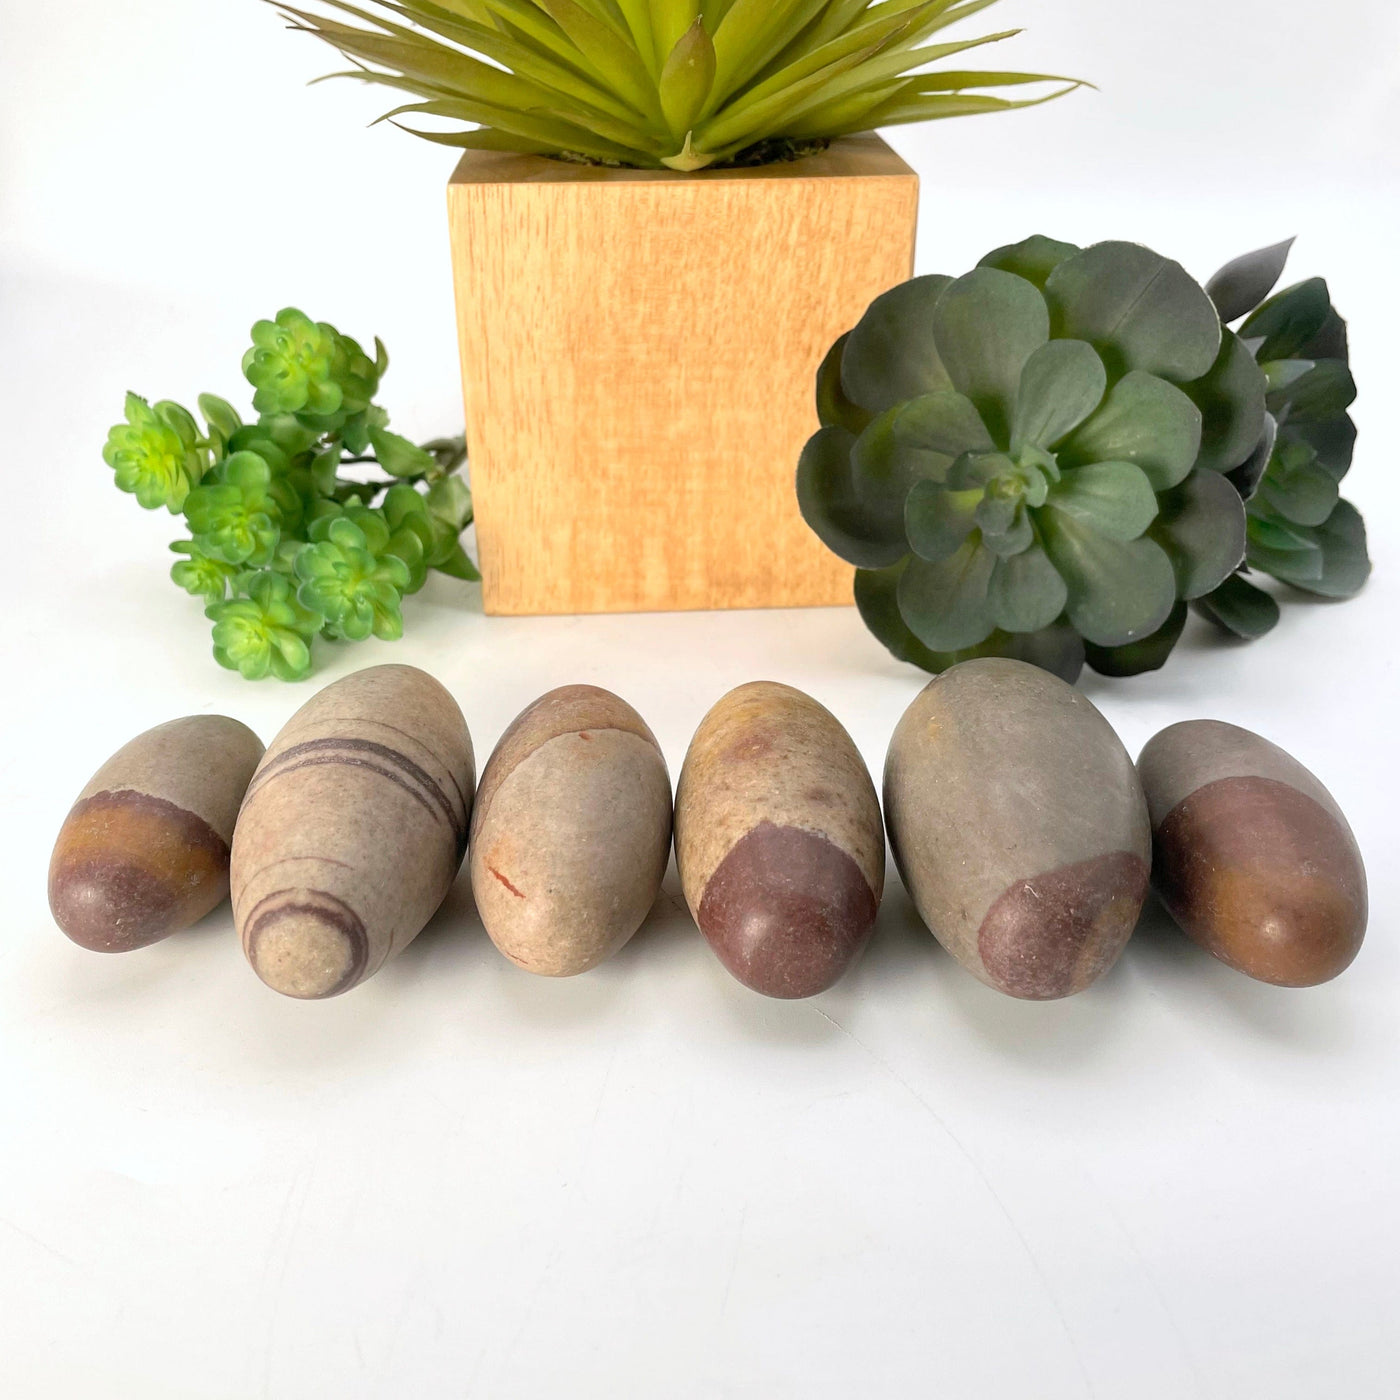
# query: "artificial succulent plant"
[1031,460]
[677,83]
[1299,529]
[282,546]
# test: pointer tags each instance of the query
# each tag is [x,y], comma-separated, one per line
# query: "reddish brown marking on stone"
[1055,933]
[821,797]
[129,869]
[1263,877]
[397,767]
[585,735]
[519,894]
[317,904]
[787,911]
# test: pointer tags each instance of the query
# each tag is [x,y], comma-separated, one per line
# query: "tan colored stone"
[778,840]
[571,832]
[144,852]
[1019,826]
[352,831]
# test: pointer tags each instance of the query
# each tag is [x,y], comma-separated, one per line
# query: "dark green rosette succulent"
[1030,460]
[1300,531]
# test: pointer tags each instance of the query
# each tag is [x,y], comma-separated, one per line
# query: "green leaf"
[986,326]
[1240,608]
[1150,654]
[397,455]
[450,500]
[1241,285]
[1246,477]
[686,79]
[1119,591]
[937,521]
[1202,529]
[1280,374]
[866,533]
[1145,421]
[891,356]
[1057,648]
[1113,498]
[1231,400]
[1334,442]
[1294,556]
[220,415]
[608,51]
[943,423]
[1138,309]
[1288,321]
[1034,259]
[751,34]
[1346,565]
[876,592]
[1304,495]
[946,604]
[458,565]
[1062,383]
[834,408]
[1324,393]
[1026,592]
[885,463]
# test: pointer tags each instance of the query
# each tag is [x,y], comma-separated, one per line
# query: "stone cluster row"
[1022,829]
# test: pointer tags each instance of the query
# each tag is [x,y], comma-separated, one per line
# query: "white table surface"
[461,1180]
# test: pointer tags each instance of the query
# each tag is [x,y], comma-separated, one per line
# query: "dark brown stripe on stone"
[310,906]
[333,751]
[1055,933]
[787,911]
[129,869]
[1263,877]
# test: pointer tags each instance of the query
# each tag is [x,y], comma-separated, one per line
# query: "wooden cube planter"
[639,350]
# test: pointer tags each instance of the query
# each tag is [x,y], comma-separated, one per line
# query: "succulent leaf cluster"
[1031,460]
[677,83]
[1300,530]
[282,546]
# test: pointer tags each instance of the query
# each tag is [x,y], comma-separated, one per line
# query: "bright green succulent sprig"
[282,545]
[1300,531]
[677,83]
[1031,460]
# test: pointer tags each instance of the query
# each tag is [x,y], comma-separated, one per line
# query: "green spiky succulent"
[677,83]
[1300,530]
[283,546]
[1030,460]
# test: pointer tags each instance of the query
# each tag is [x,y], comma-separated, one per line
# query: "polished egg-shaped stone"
[571,832]
[1252,856]
[145,850]
[352,831]
[1019,827]
[778,840]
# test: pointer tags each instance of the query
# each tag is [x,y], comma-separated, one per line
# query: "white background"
[462,1181]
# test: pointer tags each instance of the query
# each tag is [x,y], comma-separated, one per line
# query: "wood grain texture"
[639,350]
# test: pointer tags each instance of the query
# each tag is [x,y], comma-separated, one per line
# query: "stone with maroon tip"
[779,842]
[1252,856]
[144,852]
[571,831]
[352,831]
[1019,826]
